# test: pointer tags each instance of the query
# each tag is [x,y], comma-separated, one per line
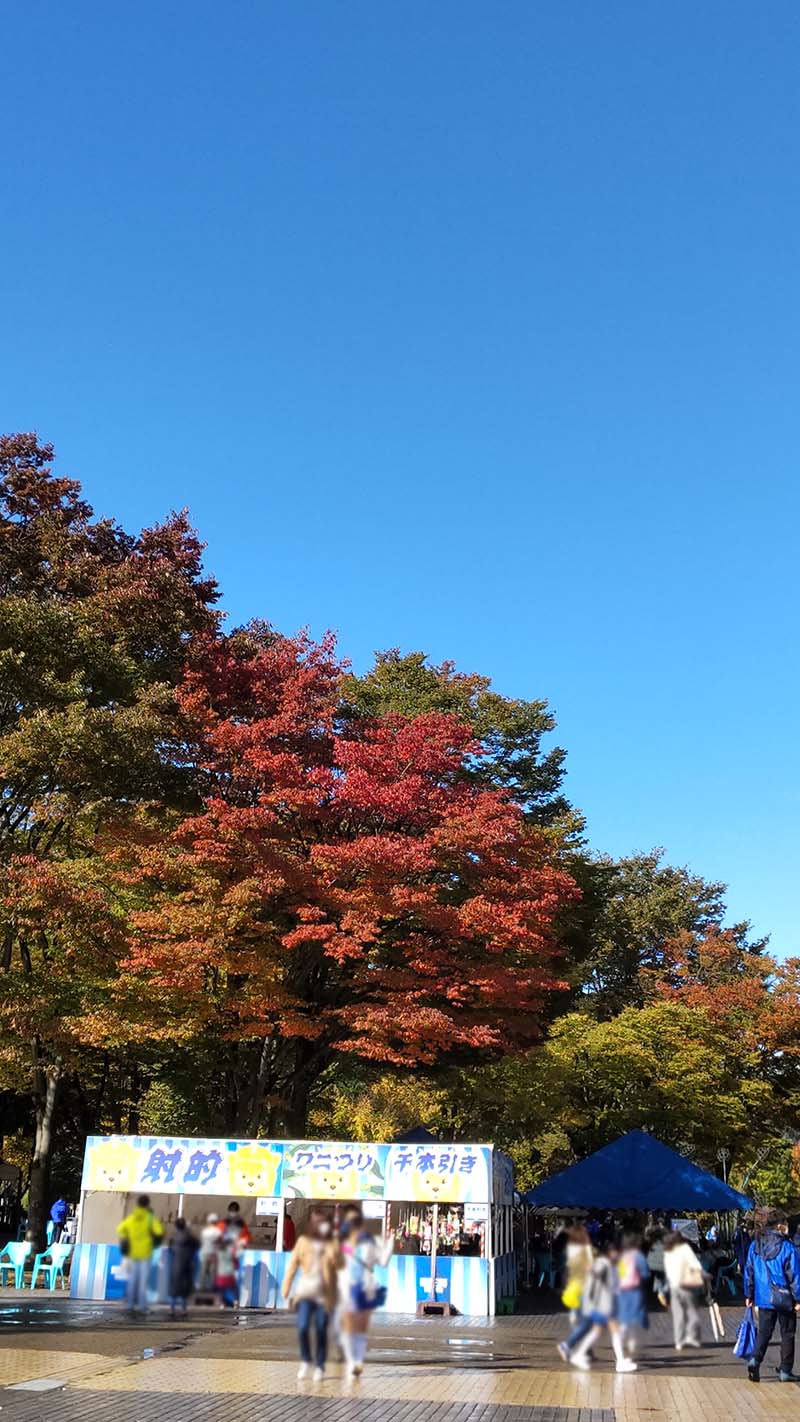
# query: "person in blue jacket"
[772,1283]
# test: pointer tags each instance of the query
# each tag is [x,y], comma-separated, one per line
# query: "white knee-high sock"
[582,1348]
[617,1344]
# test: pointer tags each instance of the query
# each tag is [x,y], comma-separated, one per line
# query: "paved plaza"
[62,1361]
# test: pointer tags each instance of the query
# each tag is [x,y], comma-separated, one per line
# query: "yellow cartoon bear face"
[253,1170]
[331,1184]
[111,1165]
[435,1185]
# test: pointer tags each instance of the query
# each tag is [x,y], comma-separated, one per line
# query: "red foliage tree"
[344,889]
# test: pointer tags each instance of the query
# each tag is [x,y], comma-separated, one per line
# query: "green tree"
[511,731]
[94,627]
[636,907]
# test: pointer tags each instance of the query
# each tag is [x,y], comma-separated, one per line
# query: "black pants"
[767,1318]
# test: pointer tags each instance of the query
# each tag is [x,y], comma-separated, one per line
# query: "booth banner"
[307,1170]
[169,1166]
[334,1170]
[427,1173]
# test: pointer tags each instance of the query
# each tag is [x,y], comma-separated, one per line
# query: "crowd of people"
[217,1250]
[330,1277]
[610,1277]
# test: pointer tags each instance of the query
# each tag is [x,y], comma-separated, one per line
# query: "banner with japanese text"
[308,1170]
[166,1165]
[333,1170]
[427,1173]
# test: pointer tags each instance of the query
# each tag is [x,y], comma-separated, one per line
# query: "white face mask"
[324,1230]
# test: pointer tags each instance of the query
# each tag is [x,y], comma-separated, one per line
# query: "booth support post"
[434,1250]
[79,1221]
[490,1303]
[279,1227]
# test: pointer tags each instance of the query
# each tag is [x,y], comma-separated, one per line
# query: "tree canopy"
[246,890]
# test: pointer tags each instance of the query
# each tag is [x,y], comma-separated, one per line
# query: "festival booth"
[449,1206]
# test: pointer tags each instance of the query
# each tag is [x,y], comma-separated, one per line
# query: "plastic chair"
[13,1258]
[52,1268]
[726,1275]
[51,1229]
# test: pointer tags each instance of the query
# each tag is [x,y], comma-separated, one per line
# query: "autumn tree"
[345,890]
[633,909]
[94,624]
[510,730]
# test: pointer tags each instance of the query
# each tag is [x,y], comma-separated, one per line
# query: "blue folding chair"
[51,1264]
[726,1275]
[13,1260]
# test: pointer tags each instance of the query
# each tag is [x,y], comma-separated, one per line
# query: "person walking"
[772,1284]
[184,1248]
[687,1284]
[359,1291]
[633,1273]
[579,1257]
[599,1310]
[140,1234]
[310,1282]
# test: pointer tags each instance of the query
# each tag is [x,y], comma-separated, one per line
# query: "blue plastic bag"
[746,1335]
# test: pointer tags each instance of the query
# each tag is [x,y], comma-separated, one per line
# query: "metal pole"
[434,1249]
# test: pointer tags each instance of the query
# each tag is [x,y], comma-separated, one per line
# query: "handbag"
[572,1295]
[780,1299]
[746,1336]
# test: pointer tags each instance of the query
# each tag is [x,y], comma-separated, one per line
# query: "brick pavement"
[62,1362]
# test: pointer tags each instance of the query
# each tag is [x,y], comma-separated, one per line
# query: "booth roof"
[637,1172]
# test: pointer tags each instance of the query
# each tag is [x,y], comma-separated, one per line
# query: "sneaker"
[753,1371]
[563,1352]
[319,1374]
[303,1371]
[354,1371]
[581,1361]
[786,1377]
[627,1366]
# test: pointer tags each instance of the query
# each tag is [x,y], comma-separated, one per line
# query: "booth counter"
[449,1206]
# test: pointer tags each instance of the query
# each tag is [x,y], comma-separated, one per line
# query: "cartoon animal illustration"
[111,1165]
[326,1183]
[436,1185]
[253,1170]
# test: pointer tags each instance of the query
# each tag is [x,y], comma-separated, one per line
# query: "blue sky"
[465,327]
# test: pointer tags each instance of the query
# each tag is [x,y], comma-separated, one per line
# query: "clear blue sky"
[462,326]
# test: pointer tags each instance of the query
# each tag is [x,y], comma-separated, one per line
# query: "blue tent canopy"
[637,1172]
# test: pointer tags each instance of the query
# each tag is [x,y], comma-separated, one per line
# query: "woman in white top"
[686,1282]
[360,1292]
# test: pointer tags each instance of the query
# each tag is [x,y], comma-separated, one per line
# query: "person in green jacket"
[140,1235]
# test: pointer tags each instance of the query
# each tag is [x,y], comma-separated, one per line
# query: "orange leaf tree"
[344,891]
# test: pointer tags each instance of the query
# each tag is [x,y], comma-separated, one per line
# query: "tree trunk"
[46,1084]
